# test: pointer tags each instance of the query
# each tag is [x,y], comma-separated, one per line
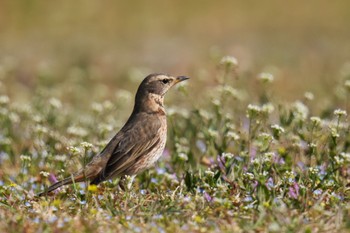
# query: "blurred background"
[95,47]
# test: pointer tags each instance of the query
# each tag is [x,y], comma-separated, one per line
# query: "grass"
[235,160]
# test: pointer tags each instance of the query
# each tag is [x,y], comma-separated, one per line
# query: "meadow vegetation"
[258,138]
[231,164]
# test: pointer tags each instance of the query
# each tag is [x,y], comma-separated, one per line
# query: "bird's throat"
[154,103]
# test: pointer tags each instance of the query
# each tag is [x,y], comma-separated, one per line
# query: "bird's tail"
[90,172]
[68,180]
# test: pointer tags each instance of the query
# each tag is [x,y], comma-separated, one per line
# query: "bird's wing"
[139,137]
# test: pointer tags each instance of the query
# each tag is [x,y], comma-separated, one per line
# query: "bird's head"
[159,84]
[153,88]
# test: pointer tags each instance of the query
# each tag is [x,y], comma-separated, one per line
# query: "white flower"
[229,60]
[329,183]
[232,91]
[253,107]
[213,133]
[256,161]
[77,131]
[233,135]
[108,105]
[267,157]
[253,110]
[309,96]
[268,108]
[4,99]
[209,173]
[227,155]
[266,77]
[340,112]
[265,136]
[289,176]
[279,129]
[97,107]
[334,133]
[25,158]
[216,102]
[55,103]
[346,156]
[41,129]
[339,160]
[248,175]
[60,158]
[300,110]
[314,170]
[315,120]
[183,156]
[45,174]
[312,145]
[205,114]
[14,117]
[86,145]
[74,150]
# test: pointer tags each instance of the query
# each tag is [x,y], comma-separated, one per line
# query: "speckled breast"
[149,159]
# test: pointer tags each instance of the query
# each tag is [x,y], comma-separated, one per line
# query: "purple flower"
[246,125]
[253,151]
[270,184]
[322,171]
[52,178]
[296,187]
[303,145]
[248,199]
[294,191]
[166,153]
[201,146]
[278,160]
[255,184]
[221,162]
[212,161]
[160,171]
[208,197]
[317,192]
[302,166]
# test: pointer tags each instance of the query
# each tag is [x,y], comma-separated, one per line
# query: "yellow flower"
[92,188]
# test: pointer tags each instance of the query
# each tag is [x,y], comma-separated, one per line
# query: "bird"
[138,144]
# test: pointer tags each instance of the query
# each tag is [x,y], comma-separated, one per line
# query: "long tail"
[68,180]
[90,172]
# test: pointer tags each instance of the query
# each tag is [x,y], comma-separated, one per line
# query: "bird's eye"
[165,81]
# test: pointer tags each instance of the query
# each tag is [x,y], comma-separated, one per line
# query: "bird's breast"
[148,160]
[158,150]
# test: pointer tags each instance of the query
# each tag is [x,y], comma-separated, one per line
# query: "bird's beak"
[180,79]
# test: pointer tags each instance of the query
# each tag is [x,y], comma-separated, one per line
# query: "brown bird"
[140,142]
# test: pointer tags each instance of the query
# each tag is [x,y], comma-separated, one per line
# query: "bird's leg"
[130,181]
[126,182]
[121,183]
